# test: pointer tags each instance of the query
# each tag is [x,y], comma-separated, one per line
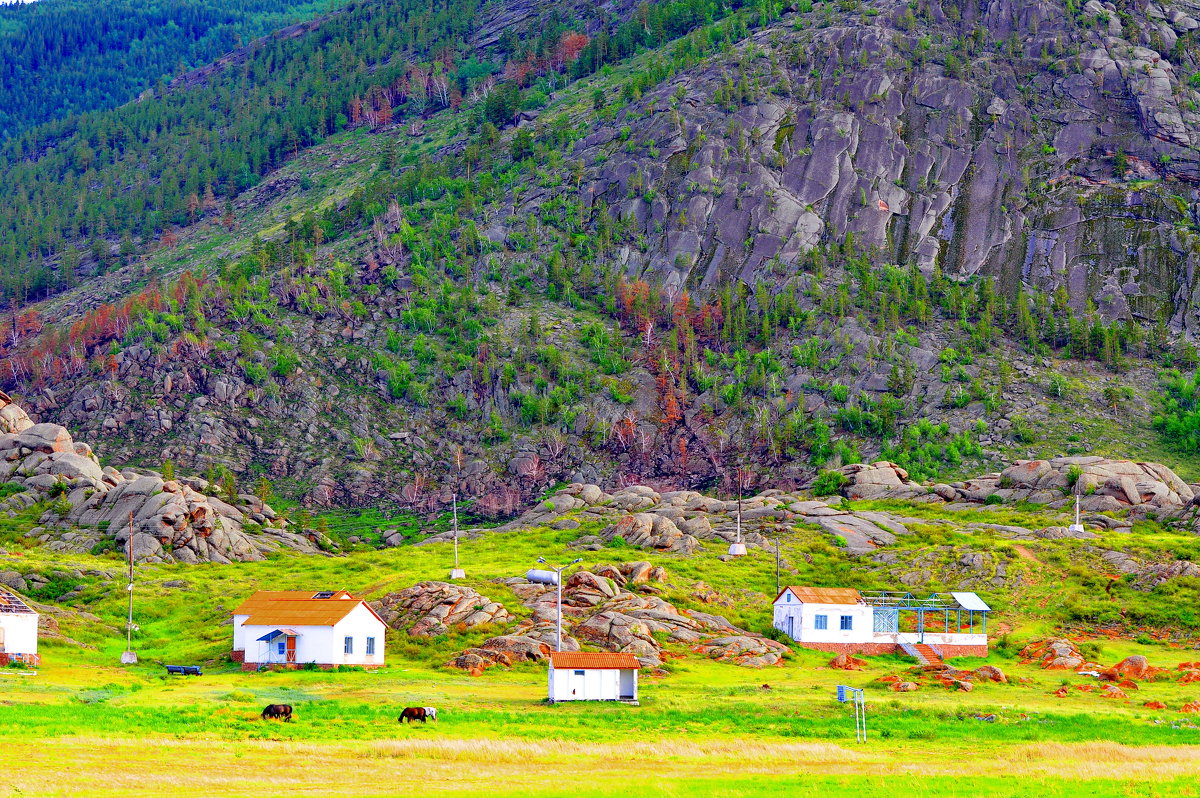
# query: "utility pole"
[777,587]
[457,572]
[129,658]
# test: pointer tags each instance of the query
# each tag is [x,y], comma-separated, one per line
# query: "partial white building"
[18,631]
[593,676]
[846,620]
[297,627]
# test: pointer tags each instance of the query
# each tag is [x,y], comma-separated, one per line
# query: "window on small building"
[820,621]
[847,622]
[788,597]
[370,646]
[349,645]
[282,647]
[578,673]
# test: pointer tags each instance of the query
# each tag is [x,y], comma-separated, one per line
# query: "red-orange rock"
[1154,705]
[845,662]
[991,673]
[1063,691]
[905,687]
[1135,667]
[1190,707]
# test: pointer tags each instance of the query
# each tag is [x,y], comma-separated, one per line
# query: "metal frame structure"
[945,603]
[855,695]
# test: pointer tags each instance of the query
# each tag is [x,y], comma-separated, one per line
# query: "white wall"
[239,634]
[596,684]
[359,624]
[324,645]
[944,639]
[804,628]
[20,633]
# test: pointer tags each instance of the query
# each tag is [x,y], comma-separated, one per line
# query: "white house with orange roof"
[297,627]
[593,676]
[847,620]
[18,631]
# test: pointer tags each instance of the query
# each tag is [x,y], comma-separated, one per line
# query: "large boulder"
[1055,654]
[13,419]
[429,609]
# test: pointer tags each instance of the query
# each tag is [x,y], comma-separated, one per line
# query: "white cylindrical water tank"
[542,577]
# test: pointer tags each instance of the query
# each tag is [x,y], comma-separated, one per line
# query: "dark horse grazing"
[417,713]
[278,712]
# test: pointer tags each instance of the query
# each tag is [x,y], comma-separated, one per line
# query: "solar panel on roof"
[324,594]
[970,601]
[11,605]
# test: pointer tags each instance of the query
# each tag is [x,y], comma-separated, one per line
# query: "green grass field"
[84,725]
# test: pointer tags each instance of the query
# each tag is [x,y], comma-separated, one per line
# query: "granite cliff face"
[1021,141]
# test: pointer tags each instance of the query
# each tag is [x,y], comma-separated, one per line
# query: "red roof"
[299,608]
[823,595]
[594,660]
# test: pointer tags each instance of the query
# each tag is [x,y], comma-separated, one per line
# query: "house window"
[370,646]
[820,621]
[578,673]
[847,622]
[788,598]
[349,645]
[282,648]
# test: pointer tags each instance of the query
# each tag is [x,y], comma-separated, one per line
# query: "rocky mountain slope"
[769,247]
[98,509]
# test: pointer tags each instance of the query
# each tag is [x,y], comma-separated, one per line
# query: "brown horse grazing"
[278,712]
[415,713]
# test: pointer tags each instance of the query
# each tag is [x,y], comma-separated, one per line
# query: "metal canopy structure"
[901,600]
[269,636]
[889,604]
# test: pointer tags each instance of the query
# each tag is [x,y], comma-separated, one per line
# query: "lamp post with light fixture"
[553,574]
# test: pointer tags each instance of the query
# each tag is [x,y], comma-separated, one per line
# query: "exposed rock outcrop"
[599,612]
[172,520]
[1105,485]
[429,609]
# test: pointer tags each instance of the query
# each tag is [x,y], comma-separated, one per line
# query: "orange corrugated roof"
[824,595]
[602,660]
[297,608]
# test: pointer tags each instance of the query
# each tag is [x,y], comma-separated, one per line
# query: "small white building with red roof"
[593,676]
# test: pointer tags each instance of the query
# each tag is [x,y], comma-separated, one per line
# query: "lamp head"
[541,559]
[577,559]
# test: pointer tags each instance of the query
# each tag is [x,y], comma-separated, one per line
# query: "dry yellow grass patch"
[91,766]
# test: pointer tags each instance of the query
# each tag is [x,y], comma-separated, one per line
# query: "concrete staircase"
[926,655]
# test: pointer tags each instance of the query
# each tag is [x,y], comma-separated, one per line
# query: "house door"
[291,649]
[790,633]
[626,685]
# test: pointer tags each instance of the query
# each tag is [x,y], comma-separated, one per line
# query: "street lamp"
[456,572]
[554,575]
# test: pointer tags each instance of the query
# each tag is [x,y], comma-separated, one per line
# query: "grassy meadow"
[84,725]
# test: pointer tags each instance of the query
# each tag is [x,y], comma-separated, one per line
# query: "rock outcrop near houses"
[172,520]
[614,608]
